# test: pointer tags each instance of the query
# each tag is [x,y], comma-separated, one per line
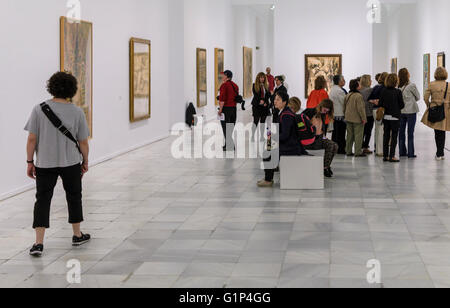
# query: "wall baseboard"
[96,162]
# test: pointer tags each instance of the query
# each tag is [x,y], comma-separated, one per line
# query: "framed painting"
[426,71]
[321,65]
[140,79]
[248,72]
[394,66]
[441,59]
[76,57]
[219,68]
[202,82]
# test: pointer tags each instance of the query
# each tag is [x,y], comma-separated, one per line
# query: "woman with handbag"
[437,116]
[391,99]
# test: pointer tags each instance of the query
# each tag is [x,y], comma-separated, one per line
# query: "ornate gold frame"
[199,51]
[217,52]
[134,40]
[247,92]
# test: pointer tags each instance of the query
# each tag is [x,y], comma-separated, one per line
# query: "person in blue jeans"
[408,118]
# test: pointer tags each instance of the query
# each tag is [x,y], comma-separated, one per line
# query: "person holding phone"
[58,154]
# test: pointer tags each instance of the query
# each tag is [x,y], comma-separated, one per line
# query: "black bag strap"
[58,124]
[446,91]
[234,88]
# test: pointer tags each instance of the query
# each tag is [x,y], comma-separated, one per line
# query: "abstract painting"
[441,59]
[394,66]
[321,65]
[140,79]
[426,71]
[248,72]
[219,67]
[202,82]
[76,57]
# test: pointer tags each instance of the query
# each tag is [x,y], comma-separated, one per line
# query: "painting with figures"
[140,79]
[321,65]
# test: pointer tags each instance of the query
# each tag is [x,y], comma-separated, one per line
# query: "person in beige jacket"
[356,118]
[439,94]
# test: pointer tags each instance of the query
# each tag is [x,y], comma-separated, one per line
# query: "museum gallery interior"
[158,220]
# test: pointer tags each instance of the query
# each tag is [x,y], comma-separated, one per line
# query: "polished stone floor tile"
[161,222]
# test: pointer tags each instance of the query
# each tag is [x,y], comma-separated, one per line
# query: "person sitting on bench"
[289,143]
[319,116]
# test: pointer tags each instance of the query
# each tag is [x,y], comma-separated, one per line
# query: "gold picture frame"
[76,57]
[248,72]
[219,67]
[140,79]
[327,65]
[441,59]
[202,79]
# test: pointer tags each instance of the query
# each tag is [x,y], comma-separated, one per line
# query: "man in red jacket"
[227,102]
[270,79]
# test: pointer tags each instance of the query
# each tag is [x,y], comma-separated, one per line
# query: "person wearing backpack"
[58,135]
[306,131]
[289,143]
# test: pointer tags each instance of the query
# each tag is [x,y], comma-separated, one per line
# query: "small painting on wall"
[219,67]
[248,72]
[441,59]
[394,66]
[426,71]
[321,65]
[202,82]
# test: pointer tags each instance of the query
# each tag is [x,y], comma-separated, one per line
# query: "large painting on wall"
[76,57]
[321,65]
[202,82]
[219,68]
[441,59]
[140,79]
[426,71]
[394,66]
[248,72]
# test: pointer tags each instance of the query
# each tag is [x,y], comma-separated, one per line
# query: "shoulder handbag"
[58,124]
[437,114]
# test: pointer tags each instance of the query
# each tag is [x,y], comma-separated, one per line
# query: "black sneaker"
[331,171]
[327,173]
[78,241]
[36,250]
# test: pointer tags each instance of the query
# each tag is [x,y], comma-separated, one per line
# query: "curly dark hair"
[62,85]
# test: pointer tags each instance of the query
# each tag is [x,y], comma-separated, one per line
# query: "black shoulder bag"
[58,124]
[437,114]
[238,98]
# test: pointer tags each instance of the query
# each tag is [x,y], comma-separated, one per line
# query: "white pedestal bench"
[302,172]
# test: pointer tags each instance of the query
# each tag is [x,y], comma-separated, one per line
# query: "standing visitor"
[260,103]
[366,91]
[60,152]
[438,95]
[374,98]
[355,116]
[227,102]
[337,95]
[318,94]
[391,100]
[279,87]
[408,119]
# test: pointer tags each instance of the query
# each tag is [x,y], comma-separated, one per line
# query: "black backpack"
[190,112]
[305,130]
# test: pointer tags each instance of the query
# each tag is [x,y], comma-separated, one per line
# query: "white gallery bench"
[302,172]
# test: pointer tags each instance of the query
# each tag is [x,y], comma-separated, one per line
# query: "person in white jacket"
[408,119]
[337,95]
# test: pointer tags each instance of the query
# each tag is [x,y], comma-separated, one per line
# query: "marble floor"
[161,222]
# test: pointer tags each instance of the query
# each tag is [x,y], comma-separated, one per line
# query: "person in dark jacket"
[260,104]
[279,83]
[391,99]
[289,143]
[374,98]
[319,117]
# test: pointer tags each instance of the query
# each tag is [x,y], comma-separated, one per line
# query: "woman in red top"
[319,94]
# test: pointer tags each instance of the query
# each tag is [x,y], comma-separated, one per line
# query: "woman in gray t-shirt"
[58,156]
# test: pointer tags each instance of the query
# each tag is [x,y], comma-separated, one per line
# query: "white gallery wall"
[410,31]
[30,54]
[321,27]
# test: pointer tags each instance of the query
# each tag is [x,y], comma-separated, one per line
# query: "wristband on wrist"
[30,161]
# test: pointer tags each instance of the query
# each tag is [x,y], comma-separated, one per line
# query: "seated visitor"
[306,131]
[289,144]
[60,152]
[318,118]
